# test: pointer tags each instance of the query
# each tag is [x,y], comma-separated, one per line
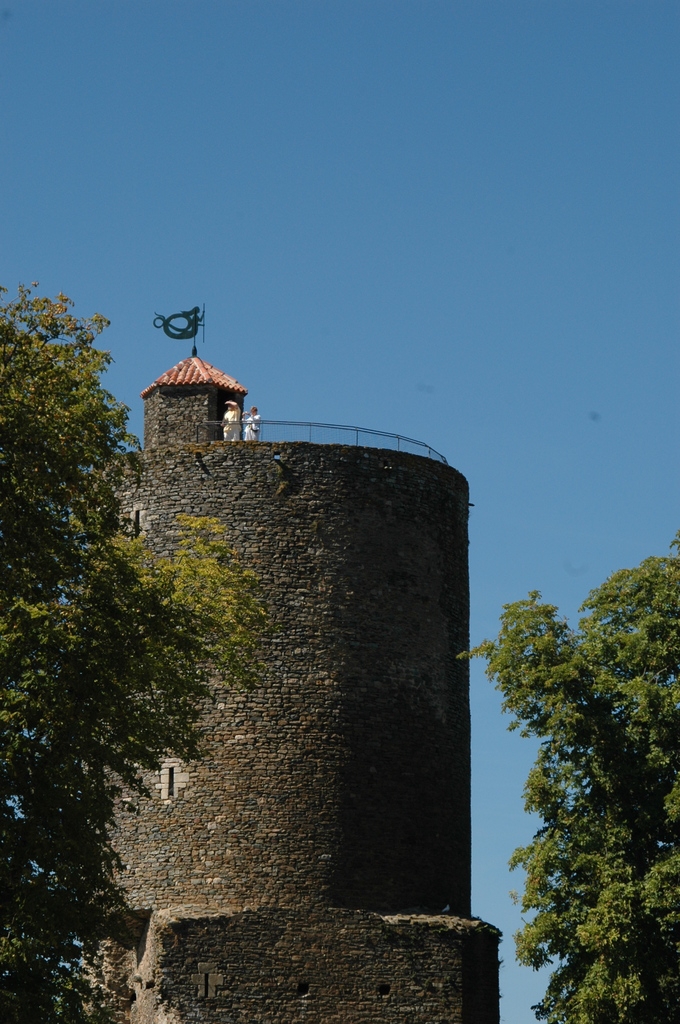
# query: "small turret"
[185,397]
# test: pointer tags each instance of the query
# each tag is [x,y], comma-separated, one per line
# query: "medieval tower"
[314,865]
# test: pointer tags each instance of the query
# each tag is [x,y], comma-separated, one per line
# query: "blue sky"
[456,221]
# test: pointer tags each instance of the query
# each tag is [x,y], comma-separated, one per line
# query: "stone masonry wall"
[323,967]
[344,779]
[172,414]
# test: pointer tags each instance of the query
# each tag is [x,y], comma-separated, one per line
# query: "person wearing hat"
[231,422]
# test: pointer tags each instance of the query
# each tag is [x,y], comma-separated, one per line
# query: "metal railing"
[321,433]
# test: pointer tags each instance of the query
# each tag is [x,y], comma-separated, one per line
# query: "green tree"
[603,870]
[104,653]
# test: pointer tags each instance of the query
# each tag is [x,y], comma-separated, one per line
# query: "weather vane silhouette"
[182,331]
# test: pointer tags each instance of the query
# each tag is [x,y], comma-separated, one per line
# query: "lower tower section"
[276,966]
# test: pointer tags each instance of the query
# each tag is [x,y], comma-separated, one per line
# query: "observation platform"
[188,402]
[323,433]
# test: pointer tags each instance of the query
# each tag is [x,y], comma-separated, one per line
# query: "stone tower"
[315,864]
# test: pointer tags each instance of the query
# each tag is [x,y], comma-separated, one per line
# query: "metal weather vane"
[182,331]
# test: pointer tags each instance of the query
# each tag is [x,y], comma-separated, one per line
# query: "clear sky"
[456,221]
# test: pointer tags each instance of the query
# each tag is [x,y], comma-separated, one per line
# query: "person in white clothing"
[231,422]
[253,419]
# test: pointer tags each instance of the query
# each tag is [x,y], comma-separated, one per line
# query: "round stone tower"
[336,796]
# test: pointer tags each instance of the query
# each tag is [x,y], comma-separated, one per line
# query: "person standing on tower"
[253,420]
[231,422]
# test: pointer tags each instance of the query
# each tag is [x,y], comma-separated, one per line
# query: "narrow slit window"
[173,779]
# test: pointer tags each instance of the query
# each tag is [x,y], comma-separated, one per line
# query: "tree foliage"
[603,870]
[104,652]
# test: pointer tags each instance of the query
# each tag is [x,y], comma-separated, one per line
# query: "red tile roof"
[196,371]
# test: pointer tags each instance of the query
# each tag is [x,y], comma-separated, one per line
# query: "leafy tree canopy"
[603,870]
[103,652]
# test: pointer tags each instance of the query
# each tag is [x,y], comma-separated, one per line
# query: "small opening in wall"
[384,989]
[303,988]
[133,997]
[137,527]
[171,782]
